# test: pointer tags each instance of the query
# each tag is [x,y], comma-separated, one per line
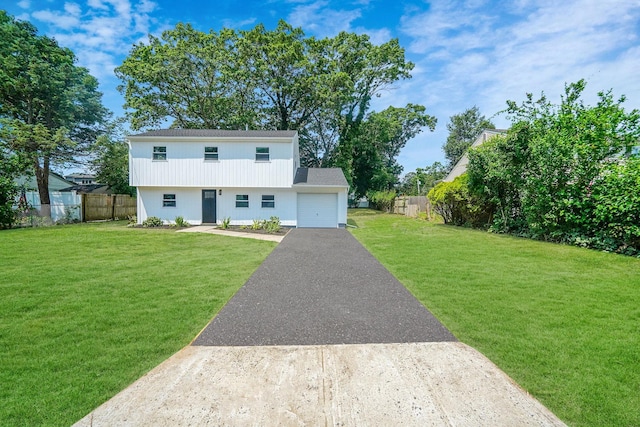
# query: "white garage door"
[318,210]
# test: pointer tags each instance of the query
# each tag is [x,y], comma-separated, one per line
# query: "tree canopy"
[279,79]
[423,179]
[555,174]
[110,159]
[463,129]
[49,107]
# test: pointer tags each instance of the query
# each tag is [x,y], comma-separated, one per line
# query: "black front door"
[208,206]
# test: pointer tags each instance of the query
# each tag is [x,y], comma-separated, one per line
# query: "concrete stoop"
[414,384]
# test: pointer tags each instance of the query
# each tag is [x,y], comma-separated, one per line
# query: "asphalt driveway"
[321,286]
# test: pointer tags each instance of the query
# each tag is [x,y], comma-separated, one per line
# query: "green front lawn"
[563,322]
[87,309]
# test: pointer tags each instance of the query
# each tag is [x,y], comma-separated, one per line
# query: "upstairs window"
[159,153]
[211,153]
[242,200]
[262,154]
[168,200]
[268,201]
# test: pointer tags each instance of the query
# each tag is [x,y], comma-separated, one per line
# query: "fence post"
[83,208]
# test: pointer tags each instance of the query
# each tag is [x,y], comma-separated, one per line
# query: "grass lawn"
[87,309]
[563,322]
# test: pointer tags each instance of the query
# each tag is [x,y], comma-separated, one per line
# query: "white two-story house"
[206,176]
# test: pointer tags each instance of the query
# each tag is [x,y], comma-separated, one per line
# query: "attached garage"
[317,210]
[322,198]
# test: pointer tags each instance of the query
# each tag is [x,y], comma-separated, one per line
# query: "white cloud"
[24,4]
[99,31]
[57,19]
[317,18]
[238,24]
[72,9]
[378,37]
[466,56]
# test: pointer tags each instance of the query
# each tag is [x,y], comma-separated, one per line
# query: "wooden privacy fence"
[412,206]
[107,206]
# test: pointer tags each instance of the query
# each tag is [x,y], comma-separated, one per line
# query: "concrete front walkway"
[212,229]
[322,334]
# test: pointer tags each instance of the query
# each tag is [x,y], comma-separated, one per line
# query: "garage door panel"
[318,210]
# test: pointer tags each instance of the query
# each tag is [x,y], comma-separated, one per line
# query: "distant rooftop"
[218,133]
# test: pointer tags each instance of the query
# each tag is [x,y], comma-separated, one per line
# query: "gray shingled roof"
[320,176]
[218,133]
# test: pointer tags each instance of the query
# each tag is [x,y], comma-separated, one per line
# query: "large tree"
[463,129]
[110,160]
[261,79]
[375,147]
[50,108]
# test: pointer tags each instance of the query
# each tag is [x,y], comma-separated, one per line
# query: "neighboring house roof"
[217,133]
[320,177]
[80,176]
[461,166]
[56,182]
[89,189]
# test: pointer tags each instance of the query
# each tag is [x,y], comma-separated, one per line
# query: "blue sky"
[466,53]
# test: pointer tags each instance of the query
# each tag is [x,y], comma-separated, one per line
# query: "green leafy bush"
[181,222]
[616,213]
[272,225]
[152,221]
[382,200]
[8,193]
[559,175]
[225,223]
[257,224]
[457,205]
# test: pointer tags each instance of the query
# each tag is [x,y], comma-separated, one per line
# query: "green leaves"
[279,79]
[49,107]
[463,129]
[560,173]
[111,164]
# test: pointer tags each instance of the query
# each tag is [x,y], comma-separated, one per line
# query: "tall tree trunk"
[42,178]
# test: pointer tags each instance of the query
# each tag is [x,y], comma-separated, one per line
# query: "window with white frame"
[159,153]
[242,200]
[268,201]
[211,153]
[168,200]
[262,154]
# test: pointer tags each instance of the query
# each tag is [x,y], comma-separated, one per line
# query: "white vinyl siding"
[189,205]
[236,165]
